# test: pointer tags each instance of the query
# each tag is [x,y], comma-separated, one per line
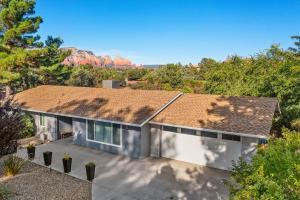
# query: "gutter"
[85,118]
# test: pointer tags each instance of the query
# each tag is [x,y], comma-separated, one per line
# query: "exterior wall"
[132,140]
[213,152]
[145,140]
[249,147]
[155,140]
[49,131]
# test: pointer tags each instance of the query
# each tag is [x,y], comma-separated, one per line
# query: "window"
[170,129]
[90,131]
[209,134]
[104,132]
[188,131]
[134,128]
[42,119]
[231,137]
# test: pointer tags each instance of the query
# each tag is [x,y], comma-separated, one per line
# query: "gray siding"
[131,140]
[248,147]
[50,128]
[155,140]
[145,140]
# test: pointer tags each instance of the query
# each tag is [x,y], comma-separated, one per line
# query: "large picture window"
[104,132]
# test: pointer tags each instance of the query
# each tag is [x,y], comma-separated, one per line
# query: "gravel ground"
[38,182]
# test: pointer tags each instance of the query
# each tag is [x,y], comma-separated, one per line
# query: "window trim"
[42,119]
[110,144]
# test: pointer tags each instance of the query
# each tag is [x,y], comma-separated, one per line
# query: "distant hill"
[84,57]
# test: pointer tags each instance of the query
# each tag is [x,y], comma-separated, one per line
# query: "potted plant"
[47,157]
[90,171]
[31,151]
[67,162]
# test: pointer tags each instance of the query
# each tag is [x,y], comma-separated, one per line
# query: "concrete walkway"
[118,177]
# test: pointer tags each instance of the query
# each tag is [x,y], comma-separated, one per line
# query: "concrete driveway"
[118,177]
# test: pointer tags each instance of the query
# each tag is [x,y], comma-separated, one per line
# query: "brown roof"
[248,115]
[122,105]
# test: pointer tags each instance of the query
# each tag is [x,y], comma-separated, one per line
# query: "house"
[208,130]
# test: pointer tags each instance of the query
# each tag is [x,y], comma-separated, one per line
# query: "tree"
[18,25]
[273,73]
[82,76]
[21,52]
[296,49]
[273,172]
[11,127]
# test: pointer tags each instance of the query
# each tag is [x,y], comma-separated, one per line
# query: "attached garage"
[203,148]
[211,130]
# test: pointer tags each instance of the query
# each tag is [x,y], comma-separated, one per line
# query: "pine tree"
[22,54]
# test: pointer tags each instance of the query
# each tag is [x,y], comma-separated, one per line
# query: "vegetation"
[66,156]
[28,130]
[11,127]
[12,165]
[91,164]
[274,172]
[23,57]
[4,192]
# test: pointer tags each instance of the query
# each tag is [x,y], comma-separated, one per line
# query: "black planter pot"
[31,152]
[67,165]
[90,172]
[47,157]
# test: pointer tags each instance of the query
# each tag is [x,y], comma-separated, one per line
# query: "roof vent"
[111,84]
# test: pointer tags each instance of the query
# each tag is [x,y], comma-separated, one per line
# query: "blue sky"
[168,31]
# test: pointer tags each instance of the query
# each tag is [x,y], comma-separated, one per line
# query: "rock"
[83,57]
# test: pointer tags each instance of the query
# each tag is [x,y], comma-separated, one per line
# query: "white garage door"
[200,150]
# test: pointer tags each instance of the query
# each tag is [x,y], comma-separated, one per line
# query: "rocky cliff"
[83,57]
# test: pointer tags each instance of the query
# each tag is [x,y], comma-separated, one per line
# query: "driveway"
[118,177]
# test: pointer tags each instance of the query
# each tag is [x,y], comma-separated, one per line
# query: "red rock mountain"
[83,57]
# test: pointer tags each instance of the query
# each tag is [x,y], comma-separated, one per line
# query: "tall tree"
[21,51]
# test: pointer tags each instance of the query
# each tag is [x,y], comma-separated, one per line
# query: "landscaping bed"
[38,182]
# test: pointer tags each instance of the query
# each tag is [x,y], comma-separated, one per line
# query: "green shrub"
[28,130]
[274,172]
[67,156]
[12,165]
[4,192]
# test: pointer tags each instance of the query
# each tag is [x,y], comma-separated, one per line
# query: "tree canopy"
[274,172]
[22,54]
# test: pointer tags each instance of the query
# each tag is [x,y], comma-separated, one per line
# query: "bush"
[12,165]
[90,164]
[28,130]
[274,172]
[11,125]
[4,192]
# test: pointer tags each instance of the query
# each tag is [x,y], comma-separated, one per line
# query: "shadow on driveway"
[119,177]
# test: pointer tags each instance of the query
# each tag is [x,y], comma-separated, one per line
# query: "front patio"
[119,177]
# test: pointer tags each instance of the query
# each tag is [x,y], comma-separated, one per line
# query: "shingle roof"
[122,105]
[248,115]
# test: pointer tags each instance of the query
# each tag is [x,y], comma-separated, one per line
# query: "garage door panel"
[200,150]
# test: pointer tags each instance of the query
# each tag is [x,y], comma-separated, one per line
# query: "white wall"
[213,152]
